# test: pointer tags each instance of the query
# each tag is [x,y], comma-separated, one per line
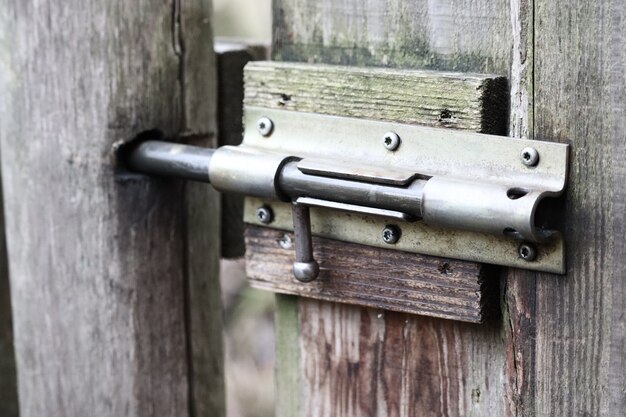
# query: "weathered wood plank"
[231,58]
[456,35]
[104,266]
[580,97]
[474,102]
[201,212]
[401,365]
[390,280]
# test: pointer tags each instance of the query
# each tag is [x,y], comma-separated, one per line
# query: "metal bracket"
[476,197]
[431,191]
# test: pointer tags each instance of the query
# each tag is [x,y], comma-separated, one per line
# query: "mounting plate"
[428,151]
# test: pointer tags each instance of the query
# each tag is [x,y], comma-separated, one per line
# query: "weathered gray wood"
[580,97]
[389,280]
[232,56]
[459,35]
[8,381]
[354,362]
[201,212]
[476,102]
[105,269]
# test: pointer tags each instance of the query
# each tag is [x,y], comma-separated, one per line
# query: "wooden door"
[558,346]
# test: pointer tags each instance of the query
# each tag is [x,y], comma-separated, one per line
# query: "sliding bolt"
[391,141]
[529,157]
[265,126]
[265,214]
[527,252]
[391,234]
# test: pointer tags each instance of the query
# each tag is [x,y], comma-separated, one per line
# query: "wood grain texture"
[457,35]
[363,362]
[102,262]
[440,287]
[474,102]
[580,97]
[232,56]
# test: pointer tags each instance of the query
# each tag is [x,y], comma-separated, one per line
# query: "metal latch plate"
[428,151]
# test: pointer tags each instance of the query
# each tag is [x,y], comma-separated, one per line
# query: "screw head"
[285,242]
[265,126]
[391,234]
[391,141]
[265,214]
[529,157]
[527,252]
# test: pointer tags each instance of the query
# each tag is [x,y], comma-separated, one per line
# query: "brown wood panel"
[390,280]
[107,267]
[580,97]
[352,361]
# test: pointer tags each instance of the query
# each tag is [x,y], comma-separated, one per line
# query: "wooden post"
[580,320]
[108,269]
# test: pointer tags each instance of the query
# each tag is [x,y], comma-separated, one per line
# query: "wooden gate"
[115,302]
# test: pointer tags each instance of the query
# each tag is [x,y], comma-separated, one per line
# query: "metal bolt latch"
[476,184]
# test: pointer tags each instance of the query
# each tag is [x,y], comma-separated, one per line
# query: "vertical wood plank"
[106,269]
[367,362]
[288,347]
[580,96]
[8,381]
[201,212]
[231,58]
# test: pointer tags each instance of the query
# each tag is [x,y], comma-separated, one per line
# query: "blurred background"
[251,19]
[248,313]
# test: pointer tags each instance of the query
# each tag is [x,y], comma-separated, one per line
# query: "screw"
[391,234]
[529,157]
[265,126]
[285,242]
[265,214]
[391,141]
[527,252]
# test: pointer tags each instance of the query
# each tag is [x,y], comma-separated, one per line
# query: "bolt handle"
[305,268]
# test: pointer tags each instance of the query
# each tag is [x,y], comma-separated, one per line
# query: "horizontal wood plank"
[440,287]
[475,102]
